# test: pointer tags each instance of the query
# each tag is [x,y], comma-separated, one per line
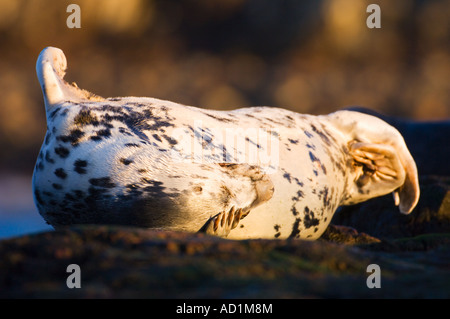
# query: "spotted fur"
[122,161]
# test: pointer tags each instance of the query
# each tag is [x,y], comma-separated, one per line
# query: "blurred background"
[307,56]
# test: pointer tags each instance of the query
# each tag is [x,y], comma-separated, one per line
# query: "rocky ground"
[413,253]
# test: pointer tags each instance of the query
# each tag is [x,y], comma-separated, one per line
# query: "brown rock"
[126,262]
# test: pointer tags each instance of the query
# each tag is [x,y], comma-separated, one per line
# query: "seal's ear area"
[381,160]
[51,67]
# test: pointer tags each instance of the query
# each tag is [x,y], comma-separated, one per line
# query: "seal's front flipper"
[222,223]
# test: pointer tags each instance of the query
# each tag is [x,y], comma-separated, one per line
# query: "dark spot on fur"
[132,186]
[95,194]
[287,176]
[170,140]
[313,157]
[294,210]
[146,180]
[80,166]
[295,233]
[298,182]
[322,135]
[69,197]
[85,117]
[79,194]
[155,189]
[62,151]
[299,195]
[38,197]
[53,113]
[96,138]
[40,166]
[132,191]
[47,138]
[59,172]
[138,104]
[275,121]
[103,182]
[274,133]
[156,137]
[73,137]
[124,131]
[317,161]
[106,133]
[221,119]
[57,186]
[293,141]
[48,158]
[126,161]
[132,145]
[326,198]
[250,141]
[289,117]
[309,219]
[308,134]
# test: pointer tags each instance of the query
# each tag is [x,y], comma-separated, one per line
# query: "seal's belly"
[98,166]
[308,189]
